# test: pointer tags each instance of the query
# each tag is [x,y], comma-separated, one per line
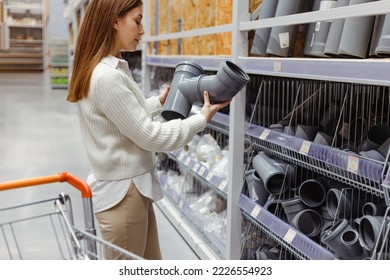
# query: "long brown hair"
[95,40]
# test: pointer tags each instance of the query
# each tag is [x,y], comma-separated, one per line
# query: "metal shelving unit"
[59,73]
[201,172]
[290,238]
[354,170]
[333,163]
[189,224]
[24,35]
[236,139]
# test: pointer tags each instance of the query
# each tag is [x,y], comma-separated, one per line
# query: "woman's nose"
[141,30]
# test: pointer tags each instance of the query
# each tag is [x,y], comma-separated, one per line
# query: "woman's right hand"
[208,110]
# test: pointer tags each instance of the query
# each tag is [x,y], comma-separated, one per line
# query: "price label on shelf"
[223,185]
[209,177]
[180,157]
[290,235]
[278,65]
[187,161]
[196,167]
[305,147]
[353,164]
[256,210]
[202,170]
[265,134]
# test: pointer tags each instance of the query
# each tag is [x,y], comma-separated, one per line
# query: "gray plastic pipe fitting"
[273,173]
[260,40]
[383,47]
[190,81]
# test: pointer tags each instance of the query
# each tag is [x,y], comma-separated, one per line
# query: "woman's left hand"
[163,96]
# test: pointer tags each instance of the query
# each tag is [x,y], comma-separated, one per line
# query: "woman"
[117,126]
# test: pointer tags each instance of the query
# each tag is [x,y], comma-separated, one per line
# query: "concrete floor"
[39,135]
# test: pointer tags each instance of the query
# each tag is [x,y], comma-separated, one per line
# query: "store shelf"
[210,238]
[331,162]
[342,166]
[21,61]
[201,172]
[210,63]
[26,41]
[362,71]
[59,72]
[201,249]
[179,214]
[59,65]
[25,31]
[367,71]
[59,86]
[24,7]
[25,26]
[297,243]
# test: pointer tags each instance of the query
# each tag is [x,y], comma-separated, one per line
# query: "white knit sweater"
[116,122]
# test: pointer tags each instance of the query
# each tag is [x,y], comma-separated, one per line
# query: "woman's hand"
[208,110]
[163,96]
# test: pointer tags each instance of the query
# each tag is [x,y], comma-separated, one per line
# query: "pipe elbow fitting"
[190,82]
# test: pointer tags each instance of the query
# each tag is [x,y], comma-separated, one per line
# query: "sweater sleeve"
[153,105]
[114,98]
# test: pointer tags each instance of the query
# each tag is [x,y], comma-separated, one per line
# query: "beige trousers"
[131,224]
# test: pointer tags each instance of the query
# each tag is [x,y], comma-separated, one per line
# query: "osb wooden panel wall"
[193,14]
[253,4]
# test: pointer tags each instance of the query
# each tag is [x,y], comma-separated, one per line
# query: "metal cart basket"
[55,226]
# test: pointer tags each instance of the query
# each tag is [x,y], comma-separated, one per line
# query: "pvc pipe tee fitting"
[190,81]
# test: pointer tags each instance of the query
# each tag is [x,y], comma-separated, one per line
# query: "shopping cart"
[25,221]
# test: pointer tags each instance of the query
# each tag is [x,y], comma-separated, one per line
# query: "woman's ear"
[116,24]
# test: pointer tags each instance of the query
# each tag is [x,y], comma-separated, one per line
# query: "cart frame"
[88,235]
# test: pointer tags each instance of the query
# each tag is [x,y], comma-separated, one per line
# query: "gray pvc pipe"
[292,207]
[271,172]
[334,34]
[373,209]
[260,190]
[176,105]
[333,238]
[321,31]
[369,229]
[256,185]
[308,221]
[356,34]
[384,41]
[310,32]
[350,239]
[376,34]
[260,40]
[338,203]
[282,38]
[189,83]
[313,192]
[274,206]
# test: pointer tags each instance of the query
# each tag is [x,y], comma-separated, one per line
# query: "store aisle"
[39,135]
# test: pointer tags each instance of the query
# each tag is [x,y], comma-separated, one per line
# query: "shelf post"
[236,137]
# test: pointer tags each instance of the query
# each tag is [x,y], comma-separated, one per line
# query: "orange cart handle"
[60,177]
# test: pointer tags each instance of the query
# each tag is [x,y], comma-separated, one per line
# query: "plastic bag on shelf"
[220,167]
[190,148]
[200,205]
[175,181]
[208,151]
